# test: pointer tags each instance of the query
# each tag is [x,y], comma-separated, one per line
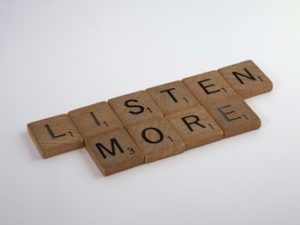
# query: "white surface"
[59,55]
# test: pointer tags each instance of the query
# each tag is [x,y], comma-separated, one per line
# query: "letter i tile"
[95,119]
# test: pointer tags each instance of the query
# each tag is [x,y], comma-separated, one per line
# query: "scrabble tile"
[55,135]
[209,87]
[135,107]
[246,79]
[195,127]
[114,151]
[156,138]
[95,119]
[233,115]
[173,97]
[159,122]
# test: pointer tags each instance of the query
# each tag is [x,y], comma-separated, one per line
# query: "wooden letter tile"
[135,107]
[159,122]
[55,135]
[95,119]
[114,151]
[195,127]
[173,97]
[156,138]
[209,87]
[246,79]
[234,116]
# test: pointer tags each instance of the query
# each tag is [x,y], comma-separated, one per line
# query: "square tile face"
[156,138]
[135,107]
[95,119]
[55,135]
[173,97]
[195,127]
[246,79]
[209,87]
[234,116]
[114,151]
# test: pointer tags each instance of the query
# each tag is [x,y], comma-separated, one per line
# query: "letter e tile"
[234,116]
[209,87]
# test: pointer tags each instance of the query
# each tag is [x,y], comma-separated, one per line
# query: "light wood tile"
[95,119]
[209,87]
[173,97]
[55,135]
[195,127]
[156,138]
[114,151]
[234,116]
[247,79]
[159,122]
[135,107]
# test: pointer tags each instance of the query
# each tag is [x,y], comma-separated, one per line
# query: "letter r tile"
[209,87]
[156,138]
[233,115]
[135,107]
[95,119]
[173,97]
[114,151]
[195,127]
[55,135]
[246,78]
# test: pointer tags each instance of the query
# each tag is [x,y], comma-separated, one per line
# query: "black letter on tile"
[160,135]
[114,143]
[139,107]
[170,93]
[50,131]
[239,75]
[225,114]
[95,118]
[195,120]
[205,87]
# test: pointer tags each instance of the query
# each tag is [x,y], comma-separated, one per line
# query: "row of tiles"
[162,121]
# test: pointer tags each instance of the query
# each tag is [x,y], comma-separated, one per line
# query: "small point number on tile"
[131,151]
[170,138]
[149,109]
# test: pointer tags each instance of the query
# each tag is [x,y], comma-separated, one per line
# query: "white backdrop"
[59,55]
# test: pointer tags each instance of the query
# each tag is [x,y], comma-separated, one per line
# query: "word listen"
[158,122]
